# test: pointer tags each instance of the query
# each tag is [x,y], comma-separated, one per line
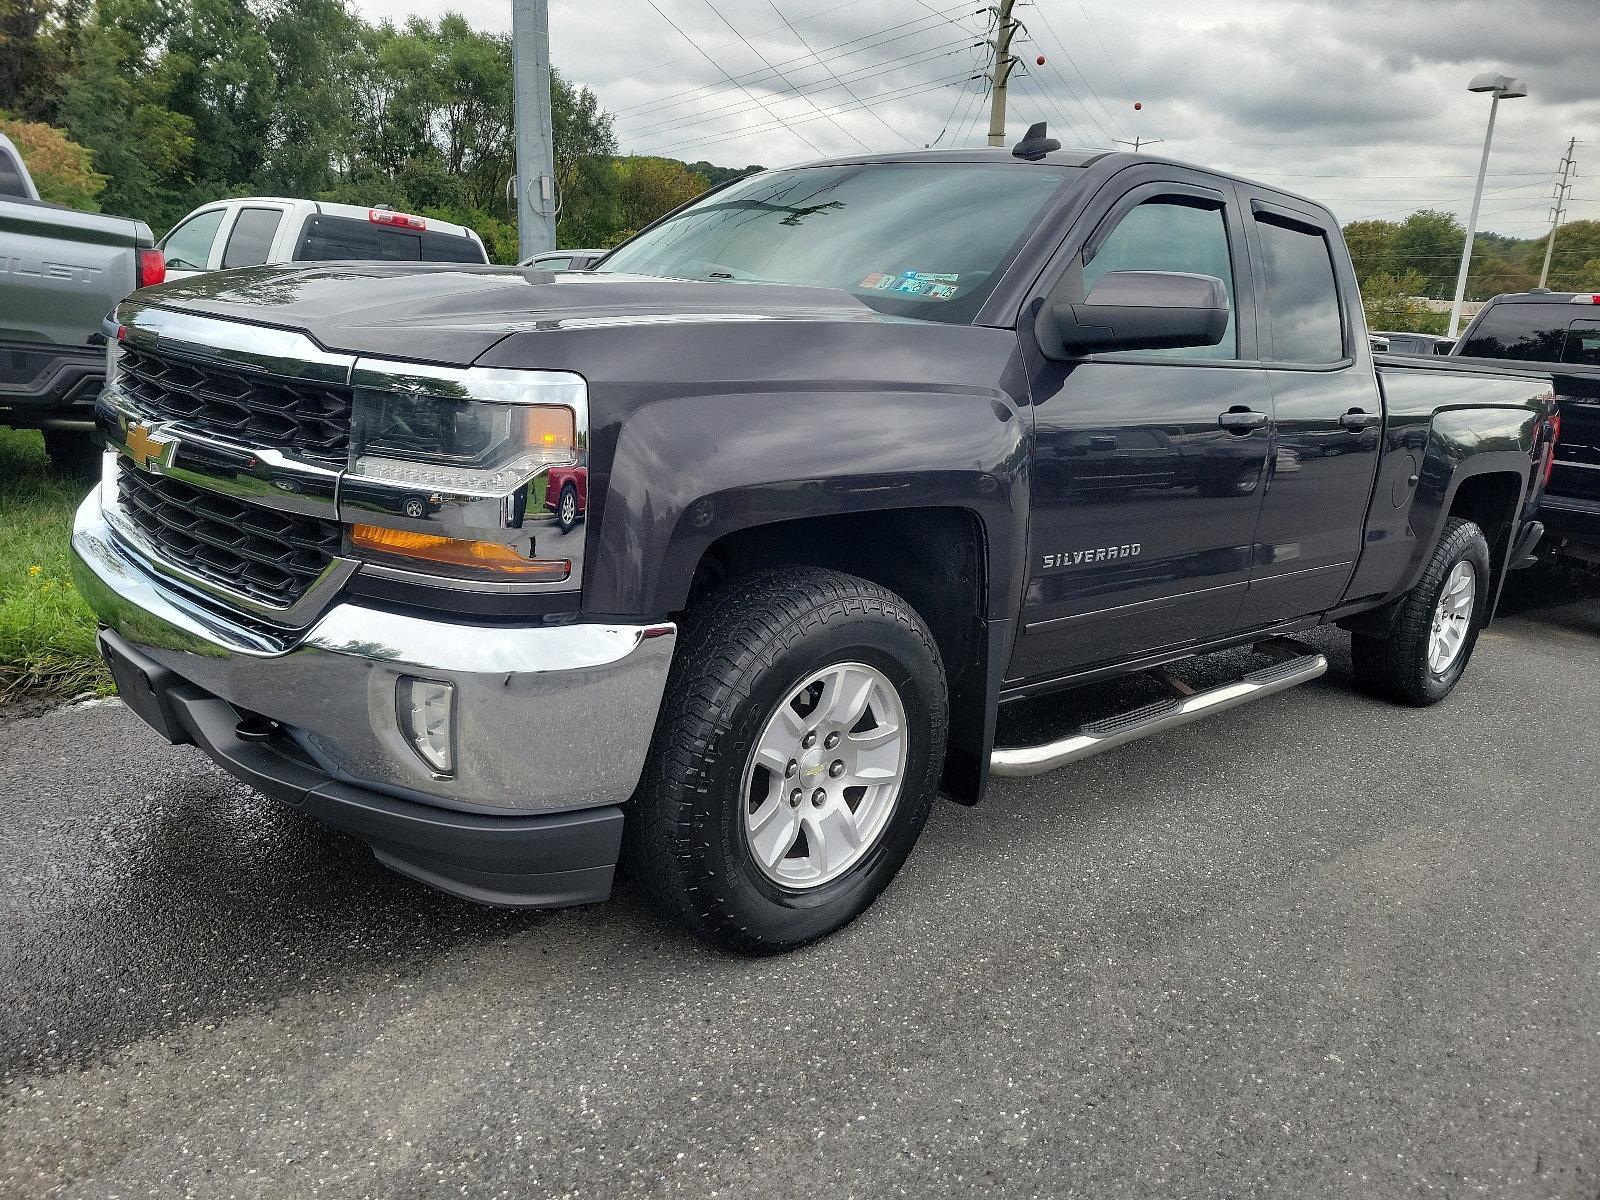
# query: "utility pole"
[535,183]
[1136,141]
[1000,72]
[1563,189]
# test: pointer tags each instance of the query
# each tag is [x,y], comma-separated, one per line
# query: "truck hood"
[448,313]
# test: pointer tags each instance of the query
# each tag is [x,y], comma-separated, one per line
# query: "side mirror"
[1136,310]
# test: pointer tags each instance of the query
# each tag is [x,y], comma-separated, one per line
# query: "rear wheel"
[567,507]
[73,454]
[1434,626]
[795,761]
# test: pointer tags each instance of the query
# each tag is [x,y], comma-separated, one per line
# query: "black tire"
[1396,666]
[73,454]
[740,653]
[563,508]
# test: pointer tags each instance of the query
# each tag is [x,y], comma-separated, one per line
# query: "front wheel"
[567,508]
[795,761]
[1434,626]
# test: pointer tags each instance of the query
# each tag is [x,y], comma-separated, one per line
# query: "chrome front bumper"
[548,717]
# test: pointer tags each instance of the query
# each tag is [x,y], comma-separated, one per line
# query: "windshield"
[911,239]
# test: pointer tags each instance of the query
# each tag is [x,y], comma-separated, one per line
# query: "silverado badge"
[149,447]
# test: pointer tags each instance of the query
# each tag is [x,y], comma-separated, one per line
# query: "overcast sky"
[1361,105]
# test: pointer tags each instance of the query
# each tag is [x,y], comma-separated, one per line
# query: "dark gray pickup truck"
[872,447]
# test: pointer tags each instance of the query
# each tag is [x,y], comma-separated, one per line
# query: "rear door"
[1326,411]
[249,238]
[1143,505]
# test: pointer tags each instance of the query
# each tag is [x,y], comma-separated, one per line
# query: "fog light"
[427,717]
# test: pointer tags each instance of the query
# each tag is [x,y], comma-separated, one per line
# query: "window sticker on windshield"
[936,285]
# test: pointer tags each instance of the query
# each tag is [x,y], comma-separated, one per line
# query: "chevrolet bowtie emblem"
[149,447]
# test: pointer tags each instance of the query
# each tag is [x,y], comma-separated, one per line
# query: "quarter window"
[250,243]
[1303,318]
[188,247]
[11,183]
[1170,235]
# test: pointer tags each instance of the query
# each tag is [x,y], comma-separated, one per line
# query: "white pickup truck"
[260,230]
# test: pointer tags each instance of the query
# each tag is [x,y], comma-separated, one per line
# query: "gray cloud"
[1360,103]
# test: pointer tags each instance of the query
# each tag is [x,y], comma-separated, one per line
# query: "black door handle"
[1239,419]
[1357,420]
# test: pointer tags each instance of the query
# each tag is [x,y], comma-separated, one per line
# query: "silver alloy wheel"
[1452,617]
[569,506]
[824,776]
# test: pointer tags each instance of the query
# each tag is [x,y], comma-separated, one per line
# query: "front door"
[1148,465]
[1326,411]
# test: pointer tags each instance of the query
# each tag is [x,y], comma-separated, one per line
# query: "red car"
[566,494]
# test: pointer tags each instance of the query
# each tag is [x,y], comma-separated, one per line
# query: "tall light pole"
[1504,88]
[535,192]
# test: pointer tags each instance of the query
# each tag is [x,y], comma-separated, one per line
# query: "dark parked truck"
[871,447]
[60,273]
[1558,332]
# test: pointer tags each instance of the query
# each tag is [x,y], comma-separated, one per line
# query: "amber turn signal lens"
[551,428]
[458,552]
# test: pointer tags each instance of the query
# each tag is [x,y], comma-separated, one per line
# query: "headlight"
[478,430]
[447,471]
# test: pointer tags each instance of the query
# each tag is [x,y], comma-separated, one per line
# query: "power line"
[914,58]
[781,75]
[754,76]
[893,93]
[728,77]
[873,112]
[1116,70]
[674,125]
[1089,87]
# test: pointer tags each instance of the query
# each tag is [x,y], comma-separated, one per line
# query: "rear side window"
[188,247]
[11,177]
[1583,344]
[451,247]
[329,239]
[1170,235]
[250,242]
[1304,324]
[1530,332]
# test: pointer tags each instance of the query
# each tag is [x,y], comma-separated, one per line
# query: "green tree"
[1571,263]
[1391,300]
[1429,242]
[1491,275]
[1371,246]
[648,187]
[60,167]
[117,106]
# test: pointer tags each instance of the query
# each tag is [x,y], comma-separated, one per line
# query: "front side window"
[926,240]
[1304,324]
[250,241]
[188,247]
[1170,234]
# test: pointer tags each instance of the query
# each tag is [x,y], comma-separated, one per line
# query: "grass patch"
[47,649]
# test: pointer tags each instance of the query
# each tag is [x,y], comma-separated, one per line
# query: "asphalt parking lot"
[1316,947]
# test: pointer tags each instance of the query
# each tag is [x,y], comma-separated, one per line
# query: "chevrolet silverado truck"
[1558,332]
[873,447]
[60,273]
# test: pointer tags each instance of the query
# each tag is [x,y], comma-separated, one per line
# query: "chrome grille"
[252,407]
[270,556]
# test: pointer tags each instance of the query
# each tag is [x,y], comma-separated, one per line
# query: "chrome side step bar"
[1160,715]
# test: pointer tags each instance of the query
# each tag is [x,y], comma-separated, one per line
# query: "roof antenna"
[1035,144]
